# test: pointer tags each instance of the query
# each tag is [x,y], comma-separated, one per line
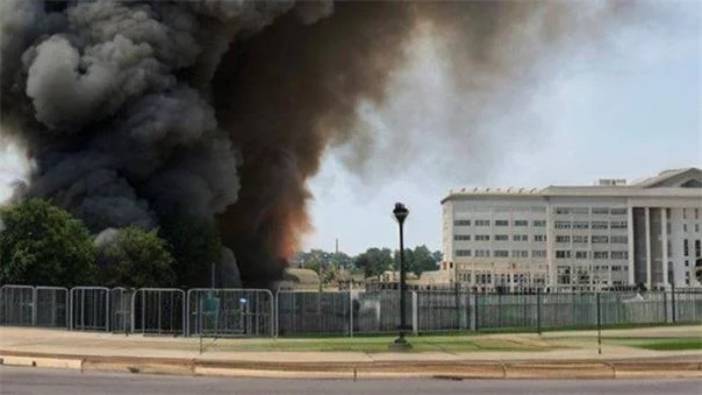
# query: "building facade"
[607,236]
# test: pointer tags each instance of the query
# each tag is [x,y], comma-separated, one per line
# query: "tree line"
[42,244]
[372,262]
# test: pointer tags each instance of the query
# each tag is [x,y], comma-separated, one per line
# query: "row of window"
[697,228]
[483,253]
[685,213]
[567,254]
[542,223]
[587,210]
[593,225]
[521,237]
[499,222]
[578,239]
[581,239]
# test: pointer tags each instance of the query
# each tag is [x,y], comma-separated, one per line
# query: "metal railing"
[158,311]
[230,312]
[89,308]
[258,312]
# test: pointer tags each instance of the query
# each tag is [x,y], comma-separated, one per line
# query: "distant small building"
[299,279]
[435,279]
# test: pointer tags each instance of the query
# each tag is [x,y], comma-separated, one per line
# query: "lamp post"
[401,343]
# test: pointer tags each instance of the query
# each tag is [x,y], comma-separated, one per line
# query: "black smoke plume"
[222,109]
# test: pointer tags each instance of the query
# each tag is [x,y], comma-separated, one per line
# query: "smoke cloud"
[223,109]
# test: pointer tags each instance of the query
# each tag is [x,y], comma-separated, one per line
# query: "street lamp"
[400,343]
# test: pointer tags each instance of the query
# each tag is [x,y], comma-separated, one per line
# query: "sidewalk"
[563,354]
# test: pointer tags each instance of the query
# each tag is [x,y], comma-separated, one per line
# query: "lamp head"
[400,212]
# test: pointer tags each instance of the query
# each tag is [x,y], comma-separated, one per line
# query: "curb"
[456,370]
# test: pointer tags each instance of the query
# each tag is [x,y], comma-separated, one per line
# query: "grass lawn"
[663,344]
[380,344]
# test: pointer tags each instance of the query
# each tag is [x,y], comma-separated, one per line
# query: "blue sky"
[628,109]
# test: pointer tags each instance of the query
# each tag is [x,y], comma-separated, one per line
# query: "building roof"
[301,276]
[669,183]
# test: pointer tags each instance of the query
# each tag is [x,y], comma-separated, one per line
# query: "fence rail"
[259,312]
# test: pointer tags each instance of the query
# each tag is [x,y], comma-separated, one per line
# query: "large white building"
[610,235]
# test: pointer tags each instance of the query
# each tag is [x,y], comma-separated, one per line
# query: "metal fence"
[230,312]
[158,311]
[313,312]
[89,308]
[257,312]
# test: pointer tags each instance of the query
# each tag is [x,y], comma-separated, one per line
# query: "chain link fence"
[257,312]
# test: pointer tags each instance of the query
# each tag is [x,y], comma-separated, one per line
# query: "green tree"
[195,244]
[42,244]
[136,257]
[374,261]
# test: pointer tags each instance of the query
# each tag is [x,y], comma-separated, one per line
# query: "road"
[15,380]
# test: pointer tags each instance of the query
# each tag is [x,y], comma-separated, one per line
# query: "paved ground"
[59,382]
[564,345]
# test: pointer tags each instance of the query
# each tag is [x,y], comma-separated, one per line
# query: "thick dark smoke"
[222,110]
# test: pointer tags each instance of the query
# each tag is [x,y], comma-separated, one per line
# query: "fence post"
[476,312]
[665,306]
[672,299]
[351,308]
[538,311]
[35,302]
[599,326]
[415,324]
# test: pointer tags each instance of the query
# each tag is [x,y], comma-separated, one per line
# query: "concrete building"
[605,236]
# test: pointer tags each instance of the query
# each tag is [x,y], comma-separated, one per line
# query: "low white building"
[610,235]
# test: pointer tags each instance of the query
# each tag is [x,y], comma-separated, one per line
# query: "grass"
[664,344]
[380,344]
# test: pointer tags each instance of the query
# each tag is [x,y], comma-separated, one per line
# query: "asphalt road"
[15,380]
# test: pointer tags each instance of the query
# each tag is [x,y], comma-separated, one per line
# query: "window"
[482,237]
[579,239]
[686,247]
[600,210]
[581,254]
[520,237]
[538,253]
[600,225]
[562,225]
[482,253]
[539,223]
[620,254]
[600,239]
[580,210]
[501,253]
[562,239]
[539,237]
[697,227]
[619,239]
[600,254]
[618,211]
[461,222]
[697,248]
[521,222]
[482,222]
[462,252]
[520,254]
[581,225]
[461,237]
[687,263]
[562,254]
[561,210]
[618,225]
[684,227]
[501,237]
[501,222]
[684,213]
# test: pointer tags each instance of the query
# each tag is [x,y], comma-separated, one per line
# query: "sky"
[627,109]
